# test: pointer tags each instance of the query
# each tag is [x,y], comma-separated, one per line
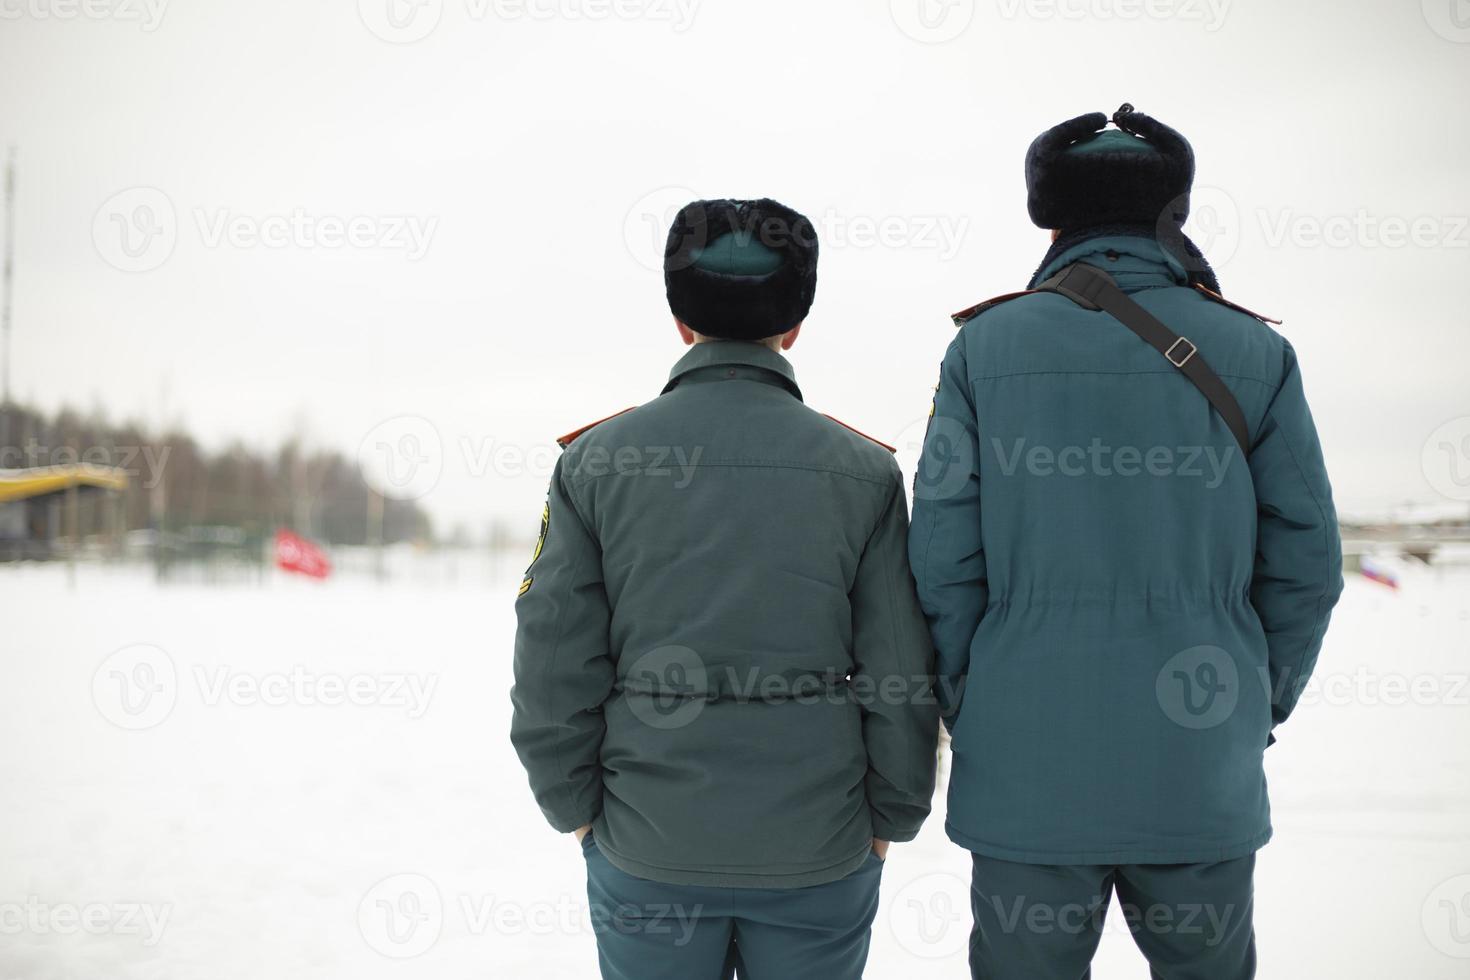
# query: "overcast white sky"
[505,168]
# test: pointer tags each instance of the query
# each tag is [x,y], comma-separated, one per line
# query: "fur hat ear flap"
[1045,147]
[1166,139]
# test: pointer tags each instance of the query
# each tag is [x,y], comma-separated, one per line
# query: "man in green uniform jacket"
[1125,599]
[723,677]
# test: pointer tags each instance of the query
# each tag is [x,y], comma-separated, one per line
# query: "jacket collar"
[717,360]
[1133,261]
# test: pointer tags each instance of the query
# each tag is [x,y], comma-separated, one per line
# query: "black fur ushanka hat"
[740,270]
[1079,174]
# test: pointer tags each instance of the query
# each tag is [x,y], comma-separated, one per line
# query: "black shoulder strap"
[1093,289]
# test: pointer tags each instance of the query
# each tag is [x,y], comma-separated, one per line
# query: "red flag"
[297,554]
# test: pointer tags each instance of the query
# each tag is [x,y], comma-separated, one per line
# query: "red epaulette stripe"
[966,315]
[566,440]
[863,434]
[1234,306]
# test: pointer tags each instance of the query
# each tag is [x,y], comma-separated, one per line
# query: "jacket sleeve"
[944,542]
[1298,566]
[563,668]
[892,675]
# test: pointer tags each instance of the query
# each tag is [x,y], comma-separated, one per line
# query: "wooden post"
[73,534]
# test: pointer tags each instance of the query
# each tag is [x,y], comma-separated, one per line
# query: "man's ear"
[789,337]
[685,333]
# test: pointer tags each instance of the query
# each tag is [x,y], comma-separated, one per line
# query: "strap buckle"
[1181,361]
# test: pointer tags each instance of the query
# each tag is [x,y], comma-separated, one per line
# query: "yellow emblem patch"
[536,552]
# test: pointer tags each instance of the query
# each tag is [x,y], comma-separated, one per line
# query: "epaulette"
[863,434]
[965,316]
[1234,306]
[570,437]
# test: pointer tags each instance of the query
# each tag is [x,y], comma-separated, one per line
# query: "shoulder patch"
[1234,306]
[570,437]
[863,434]
[965,316]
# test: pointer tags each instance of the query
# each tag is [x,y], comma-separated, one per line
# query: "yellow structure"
[39,508]
[39,481]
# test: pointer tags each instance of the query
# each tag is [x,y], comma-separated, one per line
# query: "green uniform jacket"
[721,662]
[1123,608]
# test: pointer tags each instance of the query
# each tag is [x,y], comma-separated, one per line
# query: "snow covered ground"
[292,780]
